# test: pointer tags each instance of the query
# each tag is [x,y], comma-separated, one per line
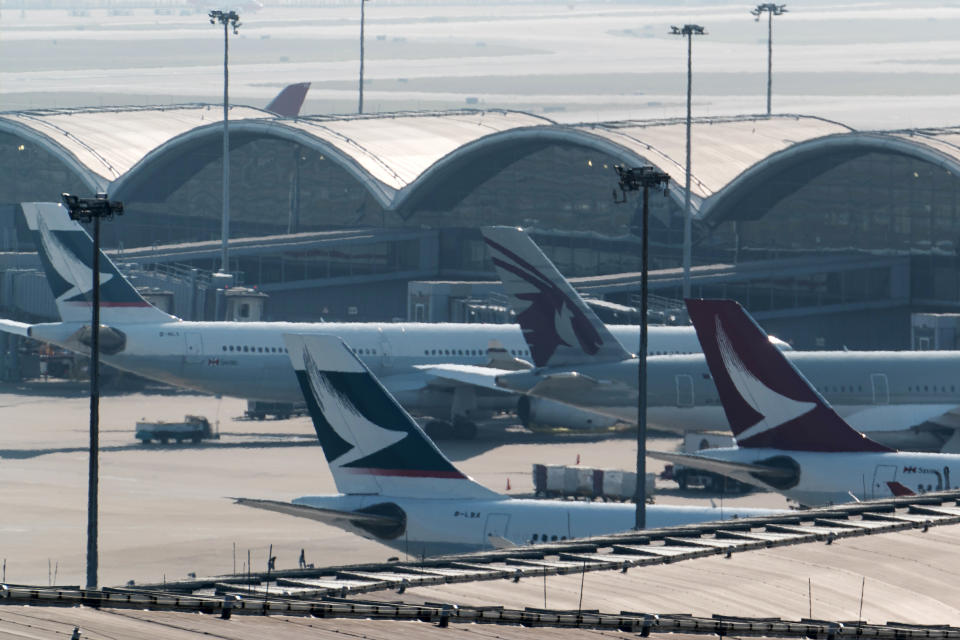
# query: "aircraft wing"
[12,326]
[754,474]
[465,374]
[328,516]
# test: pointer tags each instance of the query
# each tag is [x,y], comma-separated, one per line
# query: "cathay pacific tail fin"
[66,252]
[768,402]
[372,445]
[560,328]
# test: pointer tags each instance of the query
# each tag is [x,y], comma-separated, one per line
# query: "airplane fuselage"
[885,394]
[832,478]
[441,526]
[247,360]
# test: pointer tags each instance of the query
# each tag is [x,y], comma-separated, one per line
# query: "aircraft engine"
[549,413]
[384,531]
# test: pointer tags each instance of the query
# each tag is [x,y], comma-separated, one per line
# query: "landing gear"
[460,429]
[464,429]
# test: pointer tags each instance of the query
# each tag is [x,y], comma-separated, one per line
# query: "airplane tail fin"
[768,402]
[66,252]
[289,101]
[372,445]
[557,324]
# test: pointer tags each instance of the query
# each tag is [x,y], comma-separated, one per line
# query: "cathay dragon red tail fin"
[768,402]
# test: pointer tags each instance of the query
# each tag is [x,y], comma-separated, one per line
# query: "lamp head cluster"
[773,8]
[688,30]
[226,17]
[86,209]
[637,178]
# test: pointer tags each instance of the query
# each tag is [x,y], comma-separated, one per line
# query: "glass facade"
[874,204]
[29,173]
[868,205]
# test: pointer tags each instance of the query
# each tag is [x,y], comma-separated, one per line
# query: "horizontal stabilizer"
[754,474]
[14,327]
[330,516]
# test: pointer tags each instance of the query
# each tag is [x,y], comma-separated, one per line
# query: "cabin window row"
[468,352]
[249,349]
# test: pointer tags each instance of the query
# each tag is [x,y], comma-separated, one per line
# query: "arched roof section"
[721,149]
[383,152]
[102,144]
[809,159]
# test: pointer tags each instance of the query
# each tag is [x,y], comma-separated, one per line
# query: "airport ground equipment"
[260,409]
[193,428]
[557,480]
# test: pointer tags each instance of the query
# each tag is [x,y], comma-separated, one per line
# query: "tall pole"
[687,222]
[688,30]
[229,19]
[92,210]
[633,180]
[769,59]
[771,9]
[360,104]
[641,498]
[225,218]
[93,483]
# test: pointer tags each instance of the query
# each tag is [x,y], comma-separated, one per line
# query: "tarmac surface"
[165,510]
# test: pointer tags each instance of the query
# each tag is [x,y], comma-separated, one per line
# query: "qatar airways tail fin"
[560,328]
[66,252]
[372,445]
[290,100]
[768,402]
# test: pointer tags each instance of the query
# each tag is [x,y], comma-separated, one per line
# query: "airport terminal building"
[829,235]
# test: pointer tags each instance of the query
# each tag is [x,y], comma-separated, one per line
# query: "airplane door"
[496,526]
[386,351]
[881,388]
[684,390]
[194,347]
[883,474]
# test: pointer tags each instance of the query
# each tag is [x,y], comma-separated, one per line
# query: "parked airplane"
[397,488]
[903,399]
[788,437]
[246,359]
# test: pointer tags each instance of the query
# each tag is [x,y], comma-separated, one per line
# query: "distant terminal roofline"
[402,158]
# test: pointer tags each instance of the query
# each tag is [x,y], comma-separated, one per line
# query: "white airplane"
[247,359]
[788,437]
[397,488]
[902,398]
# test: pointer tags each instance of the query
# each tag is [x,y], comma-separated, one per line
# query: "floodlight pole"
[362,17]
[227,19]
[92,210]
[772,10]
[632,180]
[688,30]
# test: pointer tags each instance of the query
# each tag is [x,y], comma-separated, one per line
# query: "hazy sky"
[869,64]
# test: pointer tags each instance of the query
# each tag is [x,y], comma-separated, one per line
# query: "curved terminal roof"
[403,159]
[103,144]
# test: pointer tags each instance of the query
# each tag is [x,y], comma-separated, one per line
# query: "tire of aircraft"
[464,429]
[438,429]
